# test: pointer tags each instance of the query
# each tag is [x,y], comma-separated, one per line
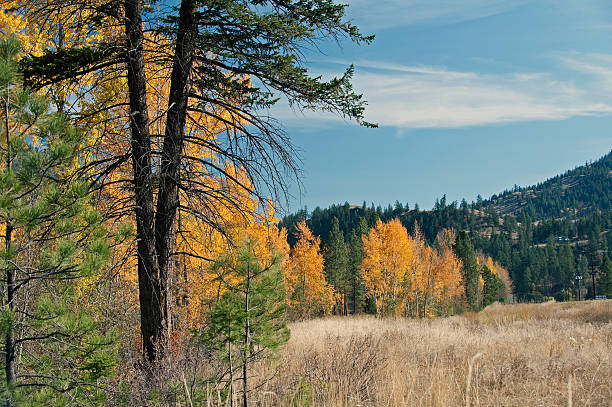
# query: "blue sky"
[471,96]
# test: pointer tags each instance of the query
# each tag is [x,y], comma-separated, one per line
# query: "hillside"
[578,192]
[545,235]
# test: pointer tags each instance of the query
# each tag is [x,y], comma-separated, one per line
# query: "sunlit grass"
[520,355]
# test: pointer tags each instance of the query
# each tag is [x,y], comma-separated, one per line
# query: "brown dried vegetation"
[506,355]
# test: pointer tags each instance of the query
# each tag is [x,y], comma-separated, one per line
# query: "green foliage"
[469,269]
[55,237]
[7,320]
[494,288]
[61,63]
[336,265]
[605,278]
[356,286]
[249,320]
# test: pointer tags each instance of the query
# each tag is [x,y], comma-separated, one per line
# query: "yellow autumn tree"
[385,264]
[408,277]
[414,278]
[441,284]
[204,231]
[308,293]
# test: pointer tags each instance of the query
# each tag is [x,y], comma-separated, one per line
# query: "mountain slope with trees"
[578,192]
[548,236]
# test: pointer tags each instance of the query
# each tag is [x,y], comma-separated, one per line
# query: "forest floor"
[552,354]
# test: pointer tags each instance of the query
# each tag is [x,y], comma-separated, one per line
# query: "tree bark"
[153,307]
[172,149]
[9,341]
[156,224]
[247,343]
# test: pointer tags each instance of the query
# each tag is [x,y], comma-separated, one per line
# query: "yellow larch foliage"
[62,28]
[12,23]
[308,293]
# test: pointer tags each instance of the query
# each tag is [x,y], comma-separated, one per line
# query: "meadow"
[551,354]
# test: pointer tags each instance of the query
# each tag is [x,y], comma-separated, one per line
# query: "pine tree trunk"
[172,150]
[9,342]
[247,344]
[156,224]
[153,308]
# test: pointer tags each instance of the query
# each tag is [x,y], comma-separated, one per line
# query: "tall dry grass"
[554,354]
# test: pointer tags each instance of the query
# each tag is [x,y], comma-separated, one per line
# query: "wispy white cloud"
[434,97]
[596,65]
[439,98]
[381,14]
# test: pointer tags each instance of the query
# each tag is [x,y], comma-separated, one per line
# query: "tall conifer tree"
[465,252]
[357,290]
[605,278]
[336,266]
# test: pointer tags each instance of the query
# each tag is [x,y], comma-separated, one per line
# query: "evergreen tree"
[605,278]
[336,266]
[465,252]
[357,290]
[54,351]
[249,321]
[523,284]
[582,271]
[494,288]
[566,263]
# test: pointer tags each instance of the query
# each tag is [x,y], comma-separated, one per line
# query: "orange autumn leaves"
[402,274]
[198,287]
[407,277]
[308,293]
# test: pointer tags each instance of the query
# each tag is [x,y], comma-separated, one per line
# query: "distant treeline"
[560,231]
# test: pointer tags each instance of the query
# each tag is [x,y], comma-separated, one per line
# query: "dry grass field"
[553,354]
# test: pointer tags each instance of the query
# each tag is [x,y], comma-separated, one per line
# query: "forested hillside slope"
[580,191]
[545,235]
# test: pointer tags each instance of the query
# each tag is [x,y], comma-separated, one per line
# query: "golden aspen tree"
[405,275]
[413,281]
[385,263]
[308,293]
[444,284]
[429,259]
